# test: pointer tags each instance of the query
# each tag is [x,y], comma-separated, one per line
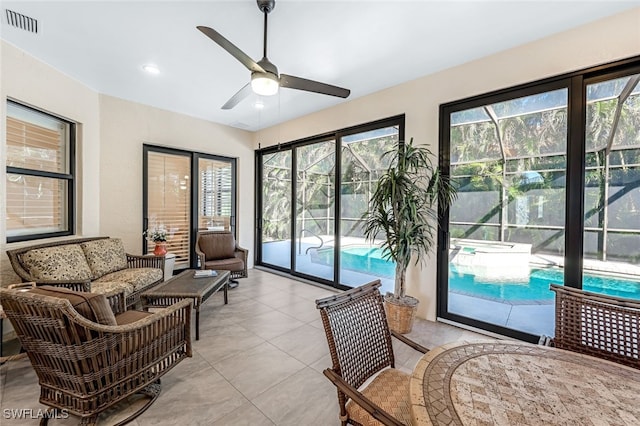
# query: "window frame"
[68,178]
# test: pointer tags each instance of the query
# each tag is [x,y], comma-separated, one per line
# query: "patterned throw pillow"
[105,256]
[57,263]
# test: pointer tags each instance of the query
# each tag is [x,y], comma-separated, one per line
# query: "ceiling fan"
[265,79]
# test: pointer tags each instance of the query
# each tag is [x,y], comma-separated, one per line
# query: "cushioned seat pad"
[137,277]
[129,317]
[102,287]
[390,391]
[231,264]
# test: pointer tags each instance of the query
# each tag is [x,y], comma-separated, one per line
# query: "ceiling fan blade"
[231,48]
[240,95]
[299,83]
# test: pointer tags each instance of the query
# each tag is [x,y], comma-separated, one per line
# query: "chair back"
[357,332]
[216,244]
[603,326]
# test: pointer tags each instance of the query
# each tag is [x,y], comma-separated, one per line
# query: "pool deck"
[535,318]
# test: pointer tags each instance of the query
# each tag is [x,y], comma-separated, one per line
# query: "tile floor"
[259,361]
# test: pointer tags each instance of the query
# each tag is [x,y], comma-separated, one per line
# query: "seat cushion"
[104,256]
[139,278]
[132,316]
[217,245]
[103,287]
[57,263]
[390,391]
[231,264]
[92,306]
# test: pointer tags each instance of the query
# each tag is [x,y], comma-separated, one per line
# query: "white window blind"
[215,194]
[169,201]
[38,174]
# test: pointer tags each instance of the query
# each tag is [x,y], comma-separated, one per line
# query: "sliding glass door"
[508,161]
[312,195]
[168,196]
[275,199]
[363,160]
[549,192]
[315,209]
[612,187]
[185,192]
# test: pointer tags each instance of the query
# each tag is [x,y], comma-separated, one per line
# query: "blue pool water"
[369,260]
[536,289]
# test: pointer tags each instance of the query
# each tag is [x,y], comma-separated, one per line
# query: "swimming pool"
[533,288]
[364,259]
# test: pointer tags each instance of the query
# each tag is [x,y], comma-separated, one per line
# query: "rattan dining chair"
[89,356]
[360,346]
[598,325]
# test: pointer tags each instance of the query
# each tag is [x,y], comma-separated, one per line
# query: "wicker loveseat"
[98,265]
[89,353]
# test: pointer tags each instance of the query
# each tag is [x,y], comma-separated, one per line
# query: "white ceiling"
[365,46]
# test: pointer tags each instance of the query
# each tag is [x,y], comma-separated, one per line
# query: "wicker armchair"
[598,325]
[360,345]
[219,250]
[85,367]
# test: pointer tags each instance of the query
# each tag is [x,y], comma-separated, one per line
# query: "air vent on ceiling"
[21,21]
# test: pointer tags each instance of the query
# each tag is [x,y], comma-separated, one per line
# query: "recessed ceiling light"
[258,105]
[151,69]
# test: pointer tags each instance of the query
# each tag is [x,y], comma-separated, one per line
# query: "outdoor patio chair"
[360,346]
[218,250]
[89,353]
[598,325]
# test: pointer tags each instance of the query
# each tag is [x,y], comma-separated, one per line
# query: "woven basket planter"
[400,313]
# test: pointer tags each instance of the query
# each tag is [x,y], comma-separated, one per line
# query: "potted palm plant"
[403,207]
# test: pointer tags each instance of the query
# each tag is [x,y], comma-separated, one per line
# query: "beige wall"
[111,132]
[597,43]
[31,81]
[125,127]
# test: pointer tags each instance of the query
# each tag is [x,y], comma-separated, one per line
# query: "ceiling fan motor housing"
[266,6]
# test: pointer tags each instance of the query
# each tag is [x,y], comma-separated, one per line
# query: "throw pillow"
[105,256]
[57,263]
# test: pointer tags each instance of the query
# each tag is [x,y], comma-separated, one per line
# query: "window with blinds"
[168,198]
[215,194]
[40,174]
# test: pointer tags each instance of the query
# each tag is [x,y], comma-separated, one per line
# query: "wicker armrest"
[357,397]
[241,253]
[79,285]
[417,346]
[117,300]
[147,261]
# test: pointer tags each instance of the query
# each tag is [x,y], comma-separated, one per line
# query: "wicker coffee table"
[184,286]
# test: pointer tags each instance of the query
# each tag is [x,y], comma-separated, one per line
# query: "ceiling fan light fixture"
[151,69]
[264,84]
